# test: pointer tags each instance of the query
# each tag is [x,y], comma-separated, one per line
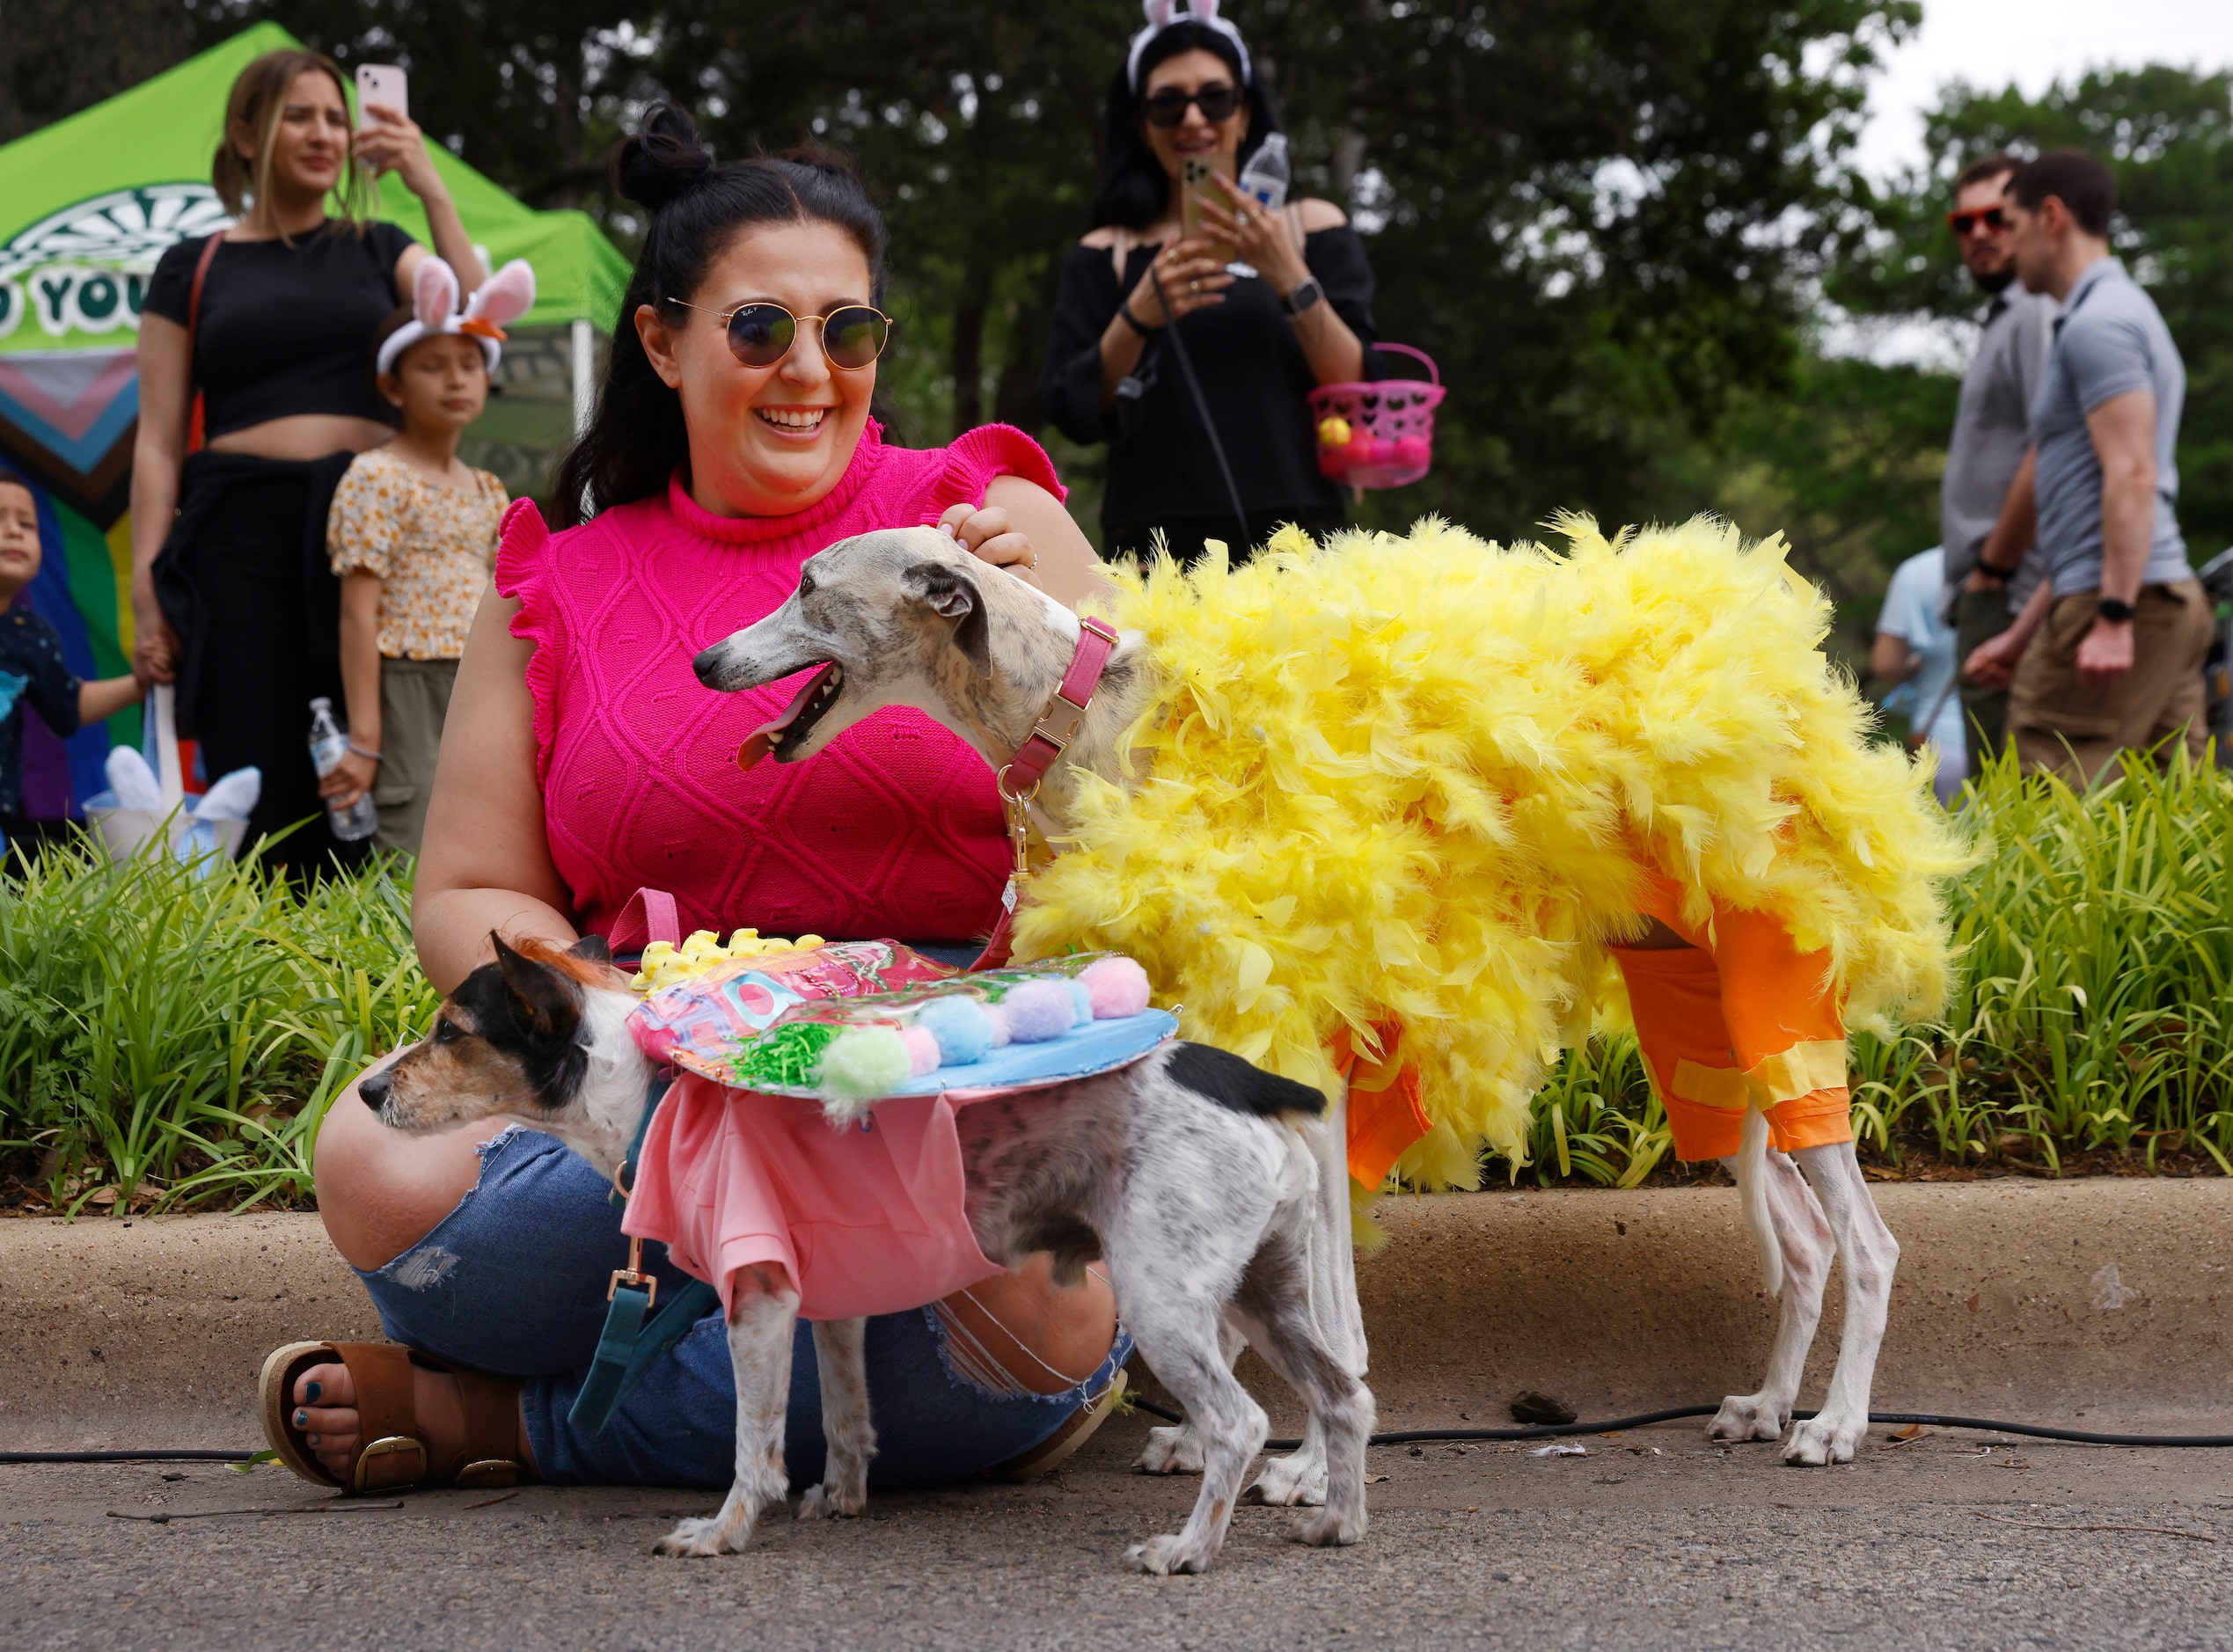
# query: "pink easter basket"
[1378,435]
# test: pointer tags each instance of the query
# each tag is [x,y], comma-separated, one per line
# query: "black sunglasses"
[1962,222]
[762,334]
[1168,107]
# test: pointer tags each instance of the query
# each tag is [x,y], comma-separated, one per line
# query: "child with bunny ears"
[412,534]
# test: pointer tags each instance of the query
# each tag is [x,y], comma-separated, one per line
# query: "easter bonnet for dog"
[851,1023]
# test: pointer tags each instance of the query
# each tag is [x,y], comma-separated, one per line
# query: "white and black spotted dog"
[1188,1173]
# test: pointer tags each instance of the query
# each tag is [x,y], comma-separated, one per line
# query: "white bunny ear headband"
[1162,13]
[503,297]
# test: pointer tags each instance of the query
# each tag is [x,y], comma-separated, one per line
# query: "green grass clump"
[179,1030]
[2094,949]
[177,1036]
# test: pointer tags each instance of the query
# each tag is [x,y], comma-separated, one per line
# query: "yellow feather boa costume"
[1420,778]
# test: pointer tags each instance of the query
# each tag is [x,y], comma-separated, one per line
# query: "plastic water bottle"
[328,745]
[1267,175]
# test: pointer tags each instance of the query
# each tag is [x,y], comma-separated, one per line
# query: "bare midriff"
[303,436]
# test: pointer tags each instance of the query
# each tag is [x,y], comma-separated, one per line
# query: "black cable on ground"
[1393,1437]
[1613,1425]
[125,1457]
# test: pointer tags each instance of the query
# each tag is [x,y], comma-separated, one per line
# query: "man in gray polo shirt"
[2123,623]
[1992,435]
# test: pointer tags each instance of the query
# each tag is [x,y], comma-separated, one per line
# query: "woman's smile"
[793,421]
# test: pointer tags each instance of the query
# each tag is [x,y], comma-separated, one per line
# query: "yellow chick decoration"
[1332,432]
[663,963]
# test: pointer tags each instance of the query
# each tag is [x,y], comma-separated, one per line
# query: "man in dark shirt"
[1992,435]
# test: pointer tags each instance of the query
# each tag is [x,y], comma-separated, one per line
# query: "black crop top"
[285,329]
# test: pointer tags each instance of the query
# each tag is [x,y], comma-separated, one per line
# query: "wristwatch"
[2113,611]
[1307,292]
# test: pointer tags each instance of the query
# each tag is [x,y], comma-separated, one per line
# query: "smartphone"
[1195,184]
[383,83]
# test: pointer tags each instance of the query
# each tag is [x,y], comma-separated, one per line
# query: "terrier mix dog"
[1187,1172]
[907,617]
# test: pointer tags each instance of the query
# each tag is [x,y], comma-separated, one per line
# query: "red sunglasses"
[1966,223]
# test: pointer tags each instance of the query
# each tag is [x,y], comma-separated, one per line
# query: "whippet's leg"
[1285,1329]
[1177,1448]
[1300,1478]
[1799,1232]
[841,1365]
[1868,1254]
[764,1313]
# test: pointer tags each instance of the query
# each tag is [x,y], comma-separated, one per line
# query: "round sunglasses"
[762,334]
[1168,107]
[1962,222]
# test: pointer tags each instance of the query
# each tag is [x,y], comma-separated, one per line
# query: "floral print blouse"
[431,545]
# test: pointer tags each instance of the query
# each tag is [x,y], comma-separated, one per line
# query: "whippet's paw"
[695,1538]
[1167,1556]
[1298,1481]
[826,1502]
[1747,1417]
[1329,1528]
[1825,1439]
[1172,1451]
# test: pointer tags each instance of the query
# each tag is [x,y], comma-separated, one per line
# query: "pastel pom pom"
[1039,1011]
[962,1029]
[922,1050]
[1118,987]
[996,1015]
[1081,1001]
[863,1063]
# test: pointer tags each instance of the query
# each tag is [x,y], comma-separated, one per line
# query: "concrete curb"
[2111,1300]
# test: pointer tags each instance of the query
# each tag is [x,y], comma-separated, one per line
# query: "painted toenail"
[302,1419]
[312,1391]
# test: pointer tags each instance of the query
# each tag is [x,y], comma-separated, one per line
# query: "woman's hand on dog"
[986,532]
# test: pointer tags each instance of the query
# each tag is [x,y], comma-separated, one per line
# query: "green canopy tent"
[87,206]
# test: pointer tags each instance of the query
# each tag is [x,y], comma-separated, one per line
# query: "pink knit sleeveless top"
[894,830]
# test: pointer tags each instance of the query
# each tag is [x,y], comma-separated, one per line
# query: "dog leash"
[1018,781]
[633,1336]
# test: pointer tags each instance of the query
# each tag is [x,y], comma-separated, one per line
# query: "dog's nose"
[708,665]
[374,1090]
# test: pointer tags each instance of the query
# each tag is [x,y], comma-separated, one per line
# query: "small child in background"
[412,534]
[32,670]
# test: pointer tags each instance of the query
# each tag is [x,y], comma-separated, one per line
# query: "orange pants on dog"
[1742,1019]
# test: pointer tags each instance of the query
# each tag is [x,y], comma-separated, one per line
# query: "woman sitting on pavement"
[582,761]
[1259,343]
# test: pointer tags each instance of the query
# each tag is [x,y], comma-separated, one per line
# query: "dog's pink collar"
[1066,714]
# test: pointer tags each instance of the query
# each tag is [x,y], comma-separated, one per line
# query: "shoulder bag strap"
[194,437]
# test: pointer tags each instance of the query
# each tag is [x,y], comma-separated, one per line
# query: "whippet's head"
[903,617]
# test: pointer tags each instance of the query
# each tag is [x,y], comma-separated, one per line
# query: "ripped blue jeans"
[513,1282]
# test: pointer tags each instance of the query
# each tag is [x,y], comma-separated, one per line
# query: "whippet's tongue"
[767,736]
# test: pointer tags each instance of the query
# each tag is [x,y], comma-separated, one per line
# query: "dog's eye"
[806,584]
[445,1031]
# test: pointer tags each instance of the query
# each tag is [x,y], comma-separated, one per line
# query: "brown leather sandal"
[391,1455]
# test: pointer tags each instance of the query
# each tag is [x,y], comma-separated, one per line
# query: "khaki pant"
[2061,725]
[414,700]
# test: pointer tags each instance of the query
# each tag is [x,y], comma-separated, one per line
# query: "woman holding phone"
[273,328]
[1258,343]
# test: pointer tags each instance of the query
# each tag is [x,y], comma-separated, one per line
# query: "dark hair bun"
[664,158]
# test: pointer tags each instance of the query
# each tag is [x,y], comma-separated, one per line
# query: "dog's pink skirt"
[867,1220]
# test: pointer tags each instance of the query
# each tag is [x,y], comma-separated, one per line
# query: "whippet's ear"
[947,591]
[545,1001]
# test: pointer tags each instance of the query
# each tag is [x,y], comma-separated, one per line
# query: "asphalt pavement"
[1655,1539]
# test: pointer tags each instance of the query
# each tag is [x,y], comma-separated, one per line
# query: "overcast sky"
[2032,42]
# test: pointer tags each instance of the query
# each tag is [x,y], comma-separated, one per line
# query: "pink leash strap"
[651,915]
[1019,781]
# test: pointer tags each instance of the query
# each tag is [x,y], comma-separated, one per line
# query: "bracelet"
[370,756]
[1135,323]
